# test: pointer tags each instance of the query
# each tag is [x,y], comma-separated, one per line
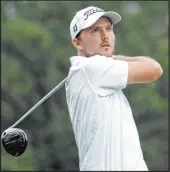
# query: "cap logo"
[92,11]
[75,28]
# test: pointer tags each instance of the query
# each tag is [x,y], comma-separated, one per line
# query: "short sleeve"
[106,75]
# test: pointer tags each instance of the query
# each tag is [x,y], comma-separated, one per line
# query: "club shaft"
[40,102]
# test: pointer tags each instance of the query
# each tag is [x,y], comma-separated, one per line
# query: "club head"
[14,141]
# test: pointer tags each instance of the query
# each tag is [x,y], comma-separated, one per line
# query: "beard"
[89,53]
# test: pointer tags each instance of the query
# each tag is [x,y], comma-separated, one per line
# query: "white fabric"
[102,121]
[88,16]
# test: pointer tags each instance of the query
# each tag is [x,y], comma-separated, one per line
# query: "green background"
[35,51]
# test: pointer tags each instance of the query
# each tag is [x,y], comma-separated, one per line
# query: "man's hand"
[141,69]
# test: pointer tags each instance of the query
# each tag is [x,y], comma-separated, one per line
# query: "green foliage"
[12,78]
[18,163]
[36,46]
[28,31]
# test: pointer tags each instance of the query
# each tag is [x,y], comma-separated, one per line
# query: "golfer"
[105,132]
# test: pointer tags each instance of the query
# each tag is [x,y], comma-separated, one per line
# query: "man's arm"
[141,69]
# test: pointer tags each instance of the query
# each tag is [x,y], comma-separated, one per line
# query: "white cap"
[88,16]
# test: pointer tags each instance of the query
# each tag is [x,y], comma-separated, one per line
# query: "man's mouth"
[105,45]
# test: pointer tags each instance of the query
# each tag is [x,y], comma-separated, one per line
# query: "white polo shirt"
[102,121]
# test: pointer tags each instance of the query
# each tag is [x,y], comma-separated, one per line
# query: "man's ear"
[77,44]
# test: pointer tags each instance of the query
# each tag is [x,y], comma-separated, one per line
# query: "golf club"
[14,140]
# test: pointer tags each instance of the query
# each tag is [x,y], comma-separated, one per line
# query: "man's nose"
[104,35]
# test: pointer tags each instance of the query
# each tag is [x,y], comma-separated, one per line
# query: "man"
[103,124]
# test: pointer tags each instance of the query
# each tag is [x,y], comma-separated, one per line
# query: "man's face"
[98,39]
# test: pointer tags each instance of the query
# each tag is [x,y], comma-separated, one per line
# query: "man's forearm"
[135,58]
[141,69]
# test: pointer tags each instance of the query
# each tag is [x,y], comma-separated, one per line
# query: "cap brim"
[113,16]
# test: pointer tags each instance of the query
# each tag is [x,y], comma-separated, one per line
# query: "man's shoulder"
[90,64]
[88,60]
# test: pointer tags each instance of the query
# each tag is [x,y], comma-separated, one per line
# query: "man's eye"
[94,30]
[109,28]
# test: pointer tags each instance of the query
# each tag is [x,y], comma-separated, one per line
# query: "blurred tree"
[36,47]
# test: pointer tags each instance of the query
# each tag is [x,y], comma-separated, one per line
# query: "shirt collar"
[76,59]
